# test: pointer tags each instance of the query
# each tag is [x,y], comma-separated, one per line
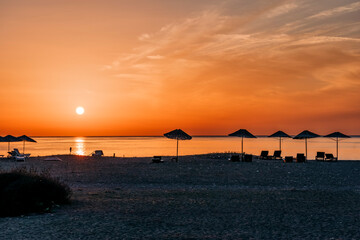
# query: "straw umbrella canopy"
[306,135]
[280,134]
[25,138]
[336,136]
[9,139]
[243,133]
[178,134]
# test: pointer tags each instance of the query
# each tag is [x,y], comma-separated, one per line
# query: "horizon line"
[260,135]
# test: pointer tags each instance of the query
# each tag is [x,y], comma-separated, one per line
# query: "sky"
[209,67]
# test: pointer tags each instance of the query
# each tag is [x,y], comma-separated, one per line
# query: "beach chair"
[17,156]
[157,159]
[235,158]
[247,158]
[320,156]
[26,155]
[264,155]
[300,157]
[174,159]
[97,153]
[289,159]
[330,157]
[277,155]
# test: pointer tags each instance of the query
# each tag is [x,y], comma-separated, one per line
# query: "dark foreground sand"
[197,198]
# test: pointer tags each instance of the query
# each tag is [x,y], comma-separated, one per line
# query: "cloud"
[282,9]
[353,7]
[155,57]
[144,36]
[217,62]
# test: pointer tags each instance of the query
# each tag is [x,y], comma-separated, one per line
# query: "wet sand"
[200,197]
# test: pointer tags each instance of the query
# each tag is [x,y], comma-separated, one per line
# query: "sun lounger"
[289,159]
[330,157]
[157,159]
[26,155]
[264,155]
[15,154]
[235,158]
[247,158]
[300,157]
[277,155]
[18,158]
[320,156]
[97,153]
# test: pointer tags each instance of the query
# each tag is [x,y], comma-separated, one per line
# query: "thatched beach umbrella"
[280,134]
[243,133]
[25,138]
[9,139]
[305,135]
[178,134]
[336,136]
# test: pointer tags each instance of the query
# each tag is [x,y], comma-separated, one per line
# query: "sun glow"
[80,110]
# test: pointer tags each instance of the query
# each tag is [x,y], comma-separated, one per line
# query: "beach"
[200,197]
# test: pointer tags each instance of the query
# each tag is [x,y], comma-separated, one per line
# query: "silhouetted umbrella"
[9,139]
[178,134]
[279,134]
[243,133]
[305,135]
[336,136]
[25,138]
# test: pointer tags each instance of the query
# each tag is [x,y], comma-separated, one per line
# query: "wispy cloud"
[353,7]
[156,57]
[222,60]
[282,9]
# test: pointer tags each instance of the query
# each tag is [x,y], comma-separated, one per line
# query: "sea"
[349,149]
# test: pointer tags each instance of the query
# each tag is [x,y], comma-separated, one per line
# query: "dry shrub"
[24,191]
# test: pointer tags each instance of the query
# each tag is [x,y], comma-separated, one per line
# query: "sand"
[200,197]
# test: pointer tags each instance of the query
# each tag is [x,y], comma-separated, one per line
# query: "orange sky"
[145,67]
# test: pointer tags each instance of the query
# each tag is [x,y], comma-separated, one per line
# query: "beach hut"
[306,135]
[9,139]
[178,134]
[243,133]
[25,138]
[335,136]
[280,134]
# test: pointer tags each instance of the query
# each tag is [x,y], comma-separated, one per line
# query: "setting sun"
[80,110]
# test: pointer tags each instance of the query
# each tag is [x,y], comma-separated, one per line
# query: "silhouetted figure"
[70,150]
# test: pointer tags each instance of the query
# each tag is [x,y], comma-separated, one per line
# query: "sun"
[80,110]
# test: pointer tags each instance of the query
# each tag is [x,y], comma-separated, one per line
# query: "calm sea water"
[349,149]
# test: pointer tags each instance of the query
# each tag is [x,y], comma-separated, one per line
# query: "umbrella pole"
[177,149]
[242,148]
[337,148]
[8,146]
[280,144]
[306,148]
[24,147]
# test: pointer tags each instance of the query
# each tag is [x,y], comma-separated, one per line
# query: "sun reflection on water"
[79,146]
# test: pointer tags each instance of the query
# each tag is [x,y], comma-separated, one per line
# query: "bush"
[26,191]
